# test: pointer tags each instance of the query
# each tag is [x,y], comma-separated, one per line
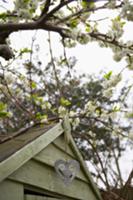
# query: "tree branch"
[45,17]
[46,7]
[118,168]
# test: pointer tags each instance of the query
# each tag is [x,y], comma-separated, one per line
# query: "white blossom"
[130,136]
[112,82]
[62,111]
[75,122]
[108,92]
[89,106]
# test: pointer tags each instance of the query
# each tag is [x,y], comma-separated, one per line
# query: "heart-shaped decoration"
[67,170]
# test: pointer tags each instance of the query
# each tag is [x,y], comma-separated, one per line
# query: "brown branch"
[46,8]
[66,60]
[118,168]
[30,72]
[12,27]
[101,163]
[98,170]
[45,17]
[124,192]
[83,11]
[99,159]
[13,99]
[128,182]
[108,39]
[54,66]
[79,13]
[41,23]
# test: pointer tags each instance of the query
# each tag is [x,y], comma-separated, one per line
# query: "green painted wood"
[16,160]
[10,190]
[67,130]
[61,144]
[46,156]
[15,143]
[43,176]
[35,197]
[93,187]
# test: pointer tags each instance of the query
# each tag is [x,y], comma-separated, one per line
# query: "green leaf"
[33,85]
[32,10]
[74,23]
[25,50]
[65,102]
[88,28]
[130,115]
[116,109]
[86,4]
[40,116]
[4,114]
[26,1]
[108,75]
[3,16]
[3,106]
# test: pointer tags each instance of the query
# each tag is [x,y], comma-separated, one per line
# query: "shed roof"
[18,149]
[9,144]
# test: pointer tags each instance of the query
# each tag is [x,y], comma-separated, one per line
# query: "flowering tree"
[33,92]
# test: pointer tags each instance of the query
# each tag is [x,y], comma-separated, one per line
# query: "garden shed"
[27,167]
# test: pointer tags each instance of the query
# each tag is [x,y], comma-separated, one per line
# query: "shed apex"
[19,149]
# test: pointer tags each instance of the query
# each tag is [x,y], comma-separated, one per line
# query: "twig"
[30,71]
[54,66]
[83,11]
[118,168]
[46,8]
[66,60]
[98,157]
[45,17]
[13,98]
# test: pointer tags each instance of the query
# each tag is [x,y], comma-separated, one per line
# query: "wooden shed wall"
[39,172]
[11,190]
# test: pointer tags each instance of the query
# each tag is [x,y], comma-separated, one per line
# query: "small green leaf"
[65,102]
[4,114]
[3,16]
[116,108]
[33,85]
[40,116]
[88,28]
[25,50]
[130,115]
[32,10]
[3,106]
[86,4]
[108,75]
[74,23]
[26,1]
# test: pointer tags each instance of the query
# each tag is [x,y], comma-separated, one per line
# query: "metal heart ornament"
[67,170]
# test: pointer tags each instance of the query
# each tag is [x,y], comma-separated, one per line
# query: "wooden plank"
[61,144]
[35,197]
[15,143]
[16,160]
[93,187]
[43,176]
[46,156]
[67,130]
[10,190]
